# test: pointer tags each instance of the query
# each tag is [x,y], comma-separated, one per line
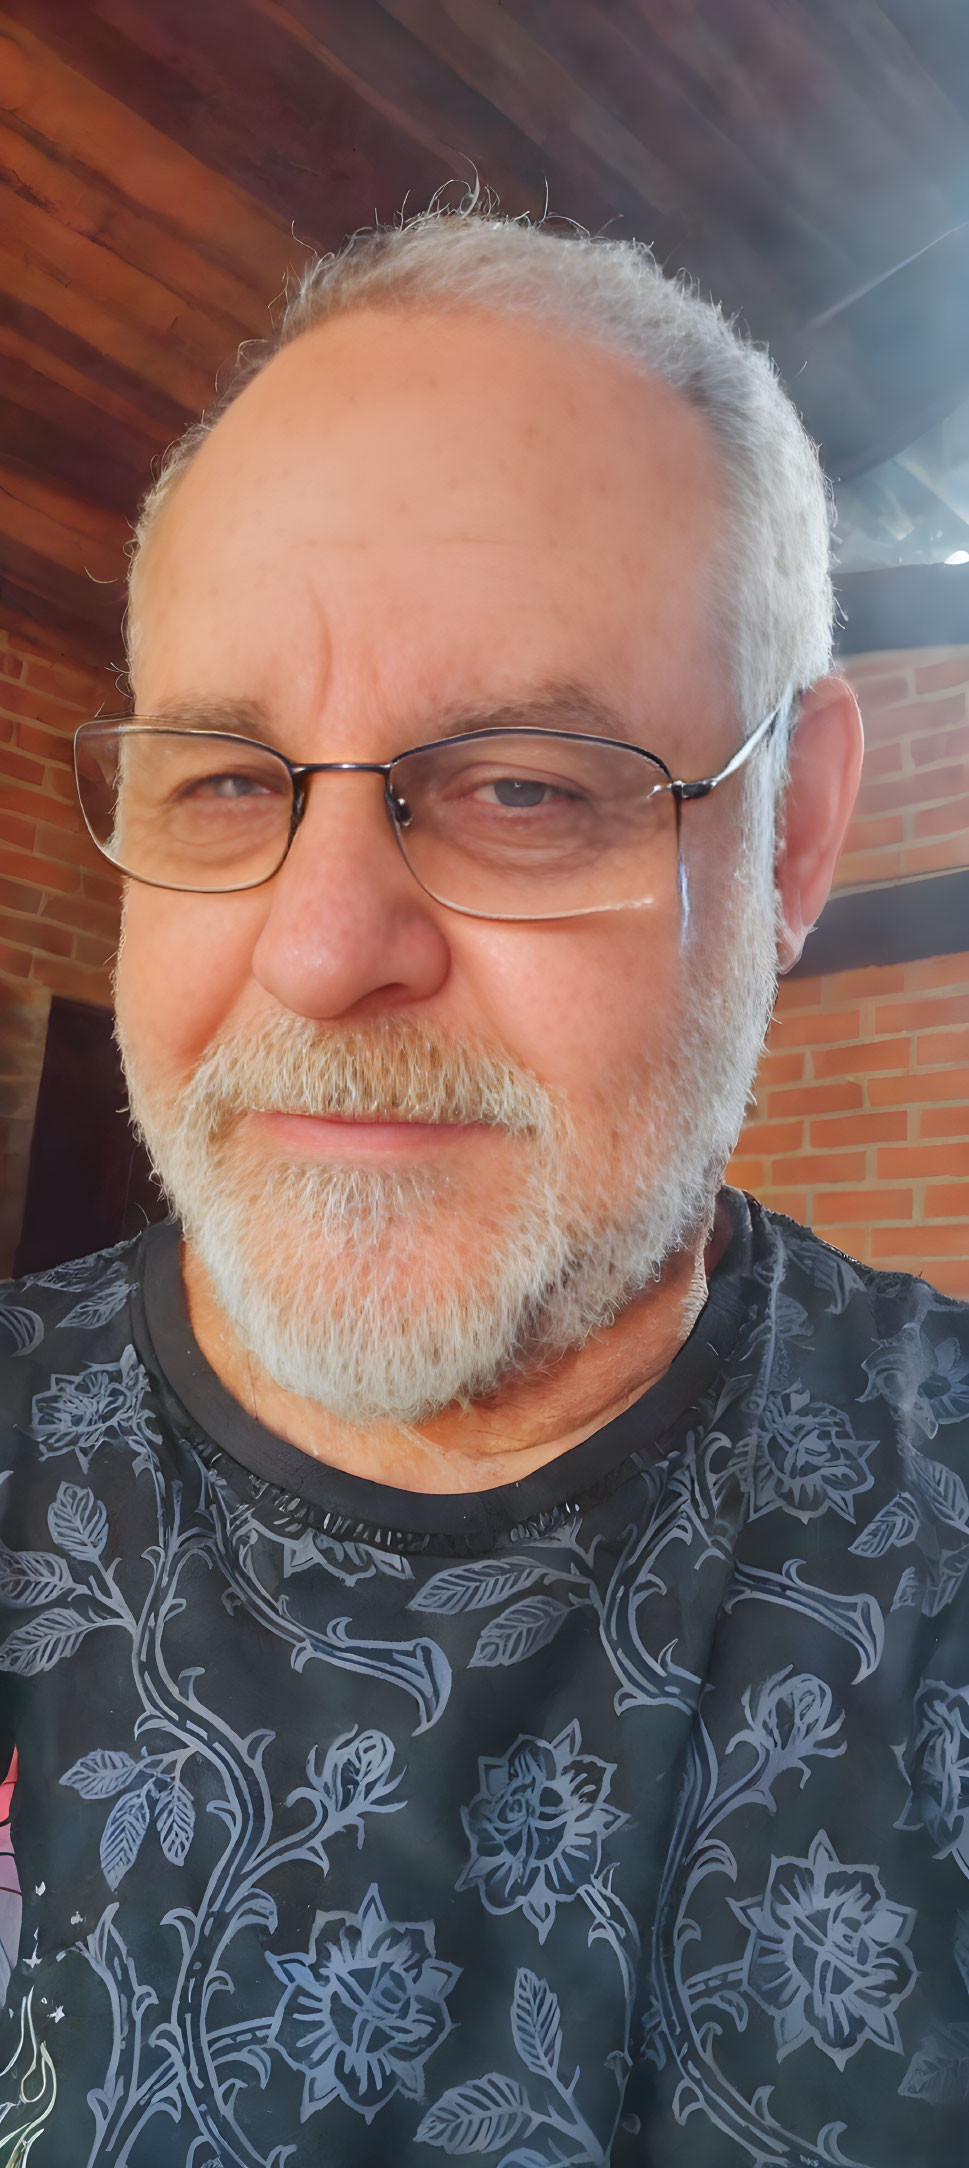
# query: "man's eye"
[226,787]
[522,793]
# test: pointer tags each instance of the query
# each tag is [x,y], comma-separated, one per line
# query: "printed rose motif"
[789,1717]
[101,1404]
[364,2009]
[945,1385]
[537,1825]
[928,1380]
[808,1458]
[826,1955]
[936,1763]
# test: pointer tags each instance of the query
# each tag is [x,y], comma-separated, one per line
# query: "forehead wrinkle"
[551,706]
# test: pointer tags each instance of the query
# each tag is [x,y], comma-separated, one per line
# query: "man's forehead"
[550,705]
[468,405]
[397,503]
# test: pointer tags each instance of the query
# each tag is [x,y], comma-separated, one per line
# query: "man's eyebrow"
[551,707]
[567,706]
[239,718]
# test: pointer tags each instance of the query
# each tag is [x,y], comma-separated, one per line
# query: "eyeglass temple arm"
[705,784]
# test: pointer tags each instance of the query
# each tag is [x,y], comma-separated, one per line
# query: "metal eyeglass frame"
[682,792]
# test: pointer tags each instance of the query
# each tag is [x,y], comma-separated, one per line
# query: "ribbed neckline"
[356,1508]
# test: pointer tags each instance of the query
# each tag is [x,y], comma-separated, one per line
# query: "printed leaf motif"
[893,1526]
[527,1626]
[476,2118]
[101,1305]
[122,1834]
[40,1644]
[937,2073]
[21,1330]
[175,1819]
[29,1577]
[78,1521]
[101,1774]
[942,1489]
[945,1581]
[474,1586]
[536,2024]
[834,1276]
[524,2156]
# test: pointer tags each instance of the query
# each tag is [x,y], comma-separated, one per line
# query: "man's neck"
[528,1422]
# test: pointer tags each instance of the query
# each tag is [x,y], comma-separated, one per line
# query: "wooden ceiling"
[163,161]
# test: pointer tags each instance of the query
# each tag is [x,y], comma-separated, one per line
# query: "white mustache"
[411,1073]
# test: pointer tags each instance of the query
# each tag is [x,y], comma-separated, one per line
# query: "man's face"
[407,522]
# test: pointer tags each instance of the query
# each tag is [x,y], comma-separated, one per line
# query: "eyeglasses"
[502,824]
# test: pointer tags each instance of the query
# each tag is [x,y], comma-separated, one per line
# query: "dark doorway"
[89,1183]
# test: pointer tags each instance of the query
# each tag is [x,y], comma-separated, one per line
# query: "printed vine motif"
[685,1508]
[164,2062]
[820,1920]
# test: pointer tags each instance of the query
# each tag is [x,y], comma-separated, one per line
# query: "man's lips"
[347,1136]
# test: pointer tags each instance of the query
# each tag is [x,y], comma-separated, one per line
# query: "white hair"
[774,582]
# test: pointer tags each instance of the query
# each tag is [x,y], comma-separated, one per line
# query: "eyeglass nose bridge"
[398,810]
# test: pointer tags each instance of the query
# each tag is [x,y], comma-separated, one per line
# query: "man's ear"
[825,771]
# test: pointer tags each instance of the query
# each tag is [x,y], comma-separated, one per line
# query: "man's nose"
[347,924]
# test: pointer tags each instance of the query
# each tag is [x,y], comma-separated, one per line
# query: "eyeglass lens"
[510,825]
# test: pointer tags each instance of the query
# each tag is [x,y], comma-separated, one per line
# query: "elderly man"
[485,1610]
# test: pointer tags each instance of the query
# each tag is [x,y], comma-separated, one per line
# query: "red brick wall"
[912,815]
[861,1126]
[58,899]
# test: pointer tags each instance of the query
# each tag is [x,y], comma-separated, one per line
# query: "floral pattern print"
[363,2010]
[537,1825]
[928,1372]
[810,1460]
[827,1955]
[101,1404]
[791,1718]
[936,1763]
[633,1826]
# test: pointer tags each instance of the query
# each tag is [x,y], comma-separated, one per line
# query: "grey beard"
[363,1289]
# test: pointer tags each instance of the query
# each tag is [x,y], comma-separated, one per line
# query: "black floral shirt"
[620,1816]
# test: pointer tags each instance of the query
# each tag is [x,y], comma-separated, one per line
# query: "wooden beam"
[48,432]
[52,594]
[74,107]
[150,355]
[134,299]
[97,207]
[630,126]
[63,631]
[68,529]
[210,95]
[23,355]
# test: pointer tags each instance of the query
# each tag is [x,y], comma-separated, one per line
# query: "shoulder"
[865,1417]
[61,1331]
[84,1294]
[847,1301]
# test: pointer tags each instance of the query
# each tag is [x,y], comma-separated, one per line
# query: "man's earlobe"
[825,771]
